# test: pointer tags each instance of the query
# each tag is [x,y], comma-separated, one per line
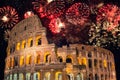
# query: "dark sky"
[24,5]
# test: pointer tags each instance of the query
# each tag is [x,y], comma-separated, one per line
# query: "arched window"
[18,46]
[47,57]
[23,44]
[79,77]
[16,61]
[102,77]
[90,63]
[21,60]
[84,61]
[58,76]
[60,59]
[36,76]
[38,40]
[28,60]
[95,63]
[96,77]
[21,76]
[47,76]
[28,76]
[8,63]
[30,42]
[12,62]
[89,54]
[15,77]
[68,59]
[105,63]
[90,76]
[38,59]
[11,77]
[70,77]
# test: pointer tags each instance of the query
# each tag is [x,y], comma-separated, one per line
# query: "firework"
[109,14]
[8,17]
[38,3]
[56,25]
[28,14]
[78,13]
[54,9]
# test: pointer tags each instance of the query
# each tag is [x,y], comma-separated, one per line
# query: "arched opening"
[96,77]
[15,77]
[30,42]
[11,77]
[95,63]
[38,59]
[90,63]
[47,76]
[21,76]
[12,62]
[36,76]
[23,44]
[90,76]
[21,61]
[58,76]
[28,60]
[68,60]
[89,54]
[60,59]
[47,57]
[70,77]
[84,61]
[28,76]
[18,46]
[38,40]
[102,77]
[79,76]
[16,61]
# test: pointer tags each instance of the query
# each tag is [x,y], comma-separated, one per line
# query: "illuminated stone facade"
[31,57]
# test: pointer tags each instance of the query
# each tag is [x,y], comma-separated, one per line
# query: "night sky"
[21,7]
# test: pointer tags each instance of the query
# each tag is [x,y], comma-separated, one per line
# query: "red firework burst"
[109,13]
[8,17]
[78,13]
[53,10]
[56,25]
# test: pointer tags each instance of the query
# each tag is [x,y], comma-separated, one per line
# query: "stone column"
[64,75]
[52,76]
[31,76]
[41,74]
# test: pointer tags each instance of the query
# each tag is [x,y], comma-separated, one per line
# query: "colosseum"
[31,57]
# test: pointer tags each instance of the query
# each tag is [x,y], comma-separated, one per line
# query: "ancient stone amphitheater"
[31,57]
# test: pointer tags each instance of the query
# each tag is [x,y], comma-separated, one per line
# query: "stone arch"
[21,61]
[79,76]
[36,76]
[47,57]
[15,77]
[70,76]
[37,59]
[58,76]
[47,76]
[28,59]
[69,59]
[90,76]
[60,59]
[96,77]
[28,76]
[21,76]
[84,61]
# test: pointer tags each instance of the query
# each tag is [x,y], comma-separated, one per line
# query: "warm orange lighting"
[21,60]
[18,46]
